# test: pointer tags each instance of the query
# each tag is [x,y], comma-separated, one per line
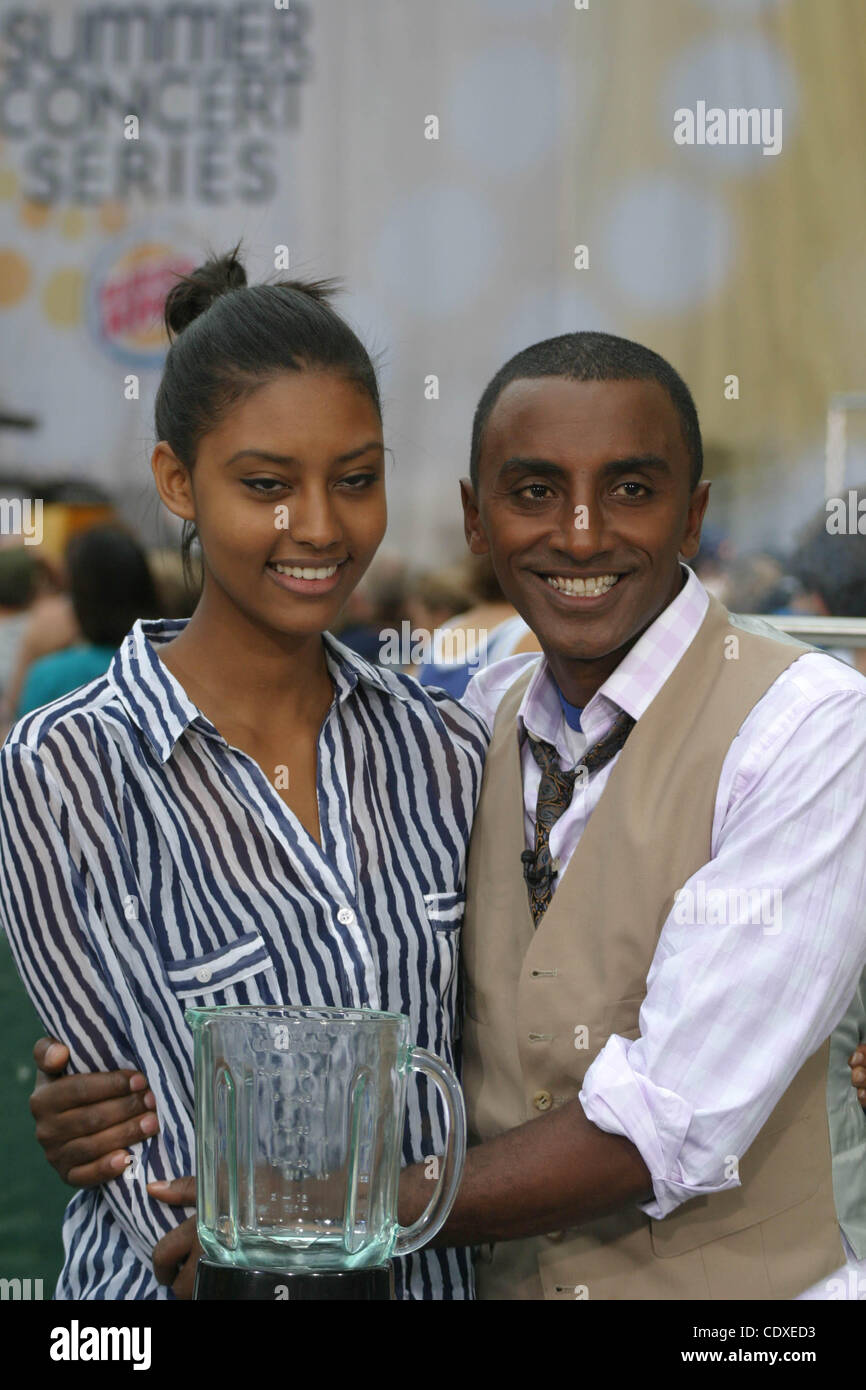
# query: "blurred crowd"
[62,622]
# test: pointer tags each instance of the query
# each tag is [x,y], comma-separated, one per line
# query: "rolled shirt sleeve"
[759,957]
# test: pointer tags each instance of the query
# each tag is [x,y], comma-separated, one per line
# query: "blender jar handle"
[435,1214]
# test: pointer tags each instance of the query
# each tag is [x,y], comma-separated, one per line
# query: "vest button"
[542,1100]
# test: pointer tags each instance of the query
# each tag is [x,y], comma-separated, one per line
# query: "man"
[651,975]
[720,756]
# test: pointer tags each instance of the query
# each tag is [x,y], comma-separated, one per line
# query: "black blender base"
[226,1282]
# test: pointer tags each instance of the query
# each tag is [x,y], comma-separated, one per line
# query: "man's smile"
[580,591]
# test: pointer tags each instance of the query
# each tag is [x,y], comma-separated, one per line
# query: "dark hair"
[228,338]
[110,583]
[591,357]
[833,564]
[19,570]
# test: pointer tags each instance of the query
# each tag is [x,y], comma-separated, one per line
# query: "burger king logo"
[127,297]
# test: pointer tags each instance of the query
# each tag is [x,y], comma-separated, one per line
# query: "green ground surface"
[32,1197]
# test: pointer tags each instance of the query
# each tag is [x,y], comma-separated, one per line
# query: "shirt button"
[542,1100]
[346,916]
[204,974]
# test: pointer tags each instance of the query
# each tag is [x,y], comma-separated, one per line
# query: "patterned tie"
[554,796]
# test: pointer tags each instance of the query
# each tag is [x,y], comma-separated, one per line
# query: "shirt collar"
[161,707]
[635,682]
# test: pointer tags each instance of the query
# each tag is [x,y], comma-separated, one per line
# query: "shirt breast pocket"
[240,973]
[445,916]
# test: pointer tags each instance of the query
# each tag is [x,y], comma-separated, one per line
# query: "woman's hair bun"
[320,291]
[194,293]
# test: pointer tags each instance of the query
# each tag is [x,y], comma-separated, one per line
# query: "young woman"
[240,810]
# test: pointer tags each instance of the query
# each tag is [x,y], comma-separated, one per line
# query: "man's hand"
[85,1123]
[857,1063]
[175,1256]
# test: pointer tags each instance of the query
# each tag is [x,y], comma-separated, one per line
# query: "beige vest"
[527,990]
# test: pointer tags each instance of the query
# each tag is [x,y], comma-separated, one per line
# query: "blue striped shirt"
[146,865]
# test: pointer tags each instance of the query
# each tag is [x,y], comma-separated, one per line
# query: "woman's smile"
[306,578]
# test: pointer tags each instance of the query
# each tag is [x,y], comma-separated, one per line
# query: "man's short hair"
[591,357]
